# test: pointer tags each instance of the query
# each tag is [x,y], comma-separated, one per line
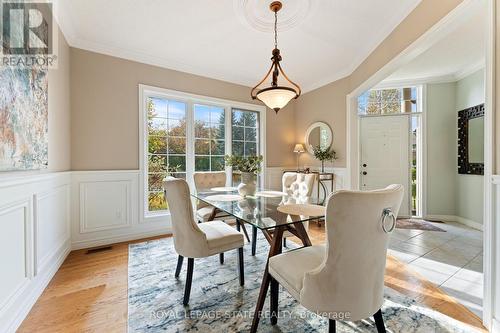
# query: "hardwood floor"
[89,292]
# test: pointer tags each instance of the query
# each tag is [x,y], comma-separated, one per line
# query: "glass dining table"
[273,213]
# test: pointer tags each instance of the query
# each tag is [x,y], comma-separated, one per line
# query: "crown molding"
[445,78]
[481,64]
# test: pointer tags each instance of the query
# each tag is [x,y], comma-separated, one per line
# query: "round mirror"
[318,134]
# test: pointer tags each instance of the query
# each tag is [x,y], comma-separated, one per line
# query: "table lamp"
[299,148]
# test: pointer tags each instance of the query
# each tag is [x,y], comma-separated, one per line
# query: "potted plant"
[324,155]
[249,167]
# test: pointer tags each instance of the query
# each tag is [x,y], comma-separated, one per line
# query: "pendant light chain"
[275,29]
[275,96]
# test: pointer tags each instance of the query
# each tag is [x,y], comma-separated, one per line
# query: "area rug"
[219,304]
[417,224]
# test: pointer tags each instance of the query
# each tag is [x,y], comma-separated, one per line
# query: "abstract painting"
[23,118]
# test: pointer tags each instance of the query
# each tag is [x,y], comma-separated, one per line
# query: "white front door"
[385,155]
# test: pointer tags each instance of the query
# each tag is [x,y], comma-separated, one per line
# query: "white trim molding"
[454,218]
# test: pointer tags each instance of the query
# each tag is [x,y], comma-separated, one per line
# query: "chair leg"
[221,258]
[254,240]
[189,279]
[274,301]
[284,241]
[179,266]
[241,266]
[379,321]
[332,326]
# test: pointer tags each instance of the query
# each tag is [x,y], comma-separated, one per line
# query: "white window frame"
[146,91]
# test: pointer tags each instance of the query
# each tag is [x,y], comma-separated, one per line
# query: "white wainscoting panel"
[15,250]
[34,239]
[52,223]
[106,209]
[105,205]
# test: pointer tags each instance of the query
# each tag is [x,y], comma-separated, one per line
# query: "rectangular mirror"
[471,140]
[476,140]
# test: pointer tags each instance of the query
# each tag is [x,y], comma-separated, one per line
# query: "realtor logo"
[27,33]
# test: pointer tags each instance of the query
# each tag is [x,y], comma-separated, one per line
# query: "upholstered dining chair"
[345,277]
[193,240]
[204,181]
[299,186]
[205,212]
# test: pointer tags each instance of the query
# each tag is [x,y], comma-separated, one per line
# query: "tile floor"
[453,260]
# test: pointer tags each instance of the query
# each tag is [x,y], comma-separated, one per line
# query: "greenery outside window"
[209,136]
[245,136]
[182,133]
[388,101]
[166,146]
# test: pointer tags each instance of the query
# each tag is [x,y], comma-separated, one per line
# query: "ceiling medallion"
[276,96]
[255,15]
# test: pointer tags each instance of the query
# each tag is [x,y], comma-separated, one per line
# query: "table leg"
[301,231]
[274,300]
[240,225]
[274,250]
[254,240]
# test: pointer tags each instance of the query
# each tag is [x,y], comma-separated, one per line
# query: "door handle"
[365,173]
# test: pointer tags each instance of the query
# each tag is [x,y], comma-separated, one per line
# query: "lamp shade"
[276,98]
[299,148]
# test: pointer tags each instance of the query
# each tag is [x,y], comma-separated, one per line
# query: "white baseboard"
[458,219]
[84,244]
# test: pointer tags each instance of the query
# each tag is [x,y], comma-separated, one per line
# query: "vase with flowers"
[249,167]
[324,155]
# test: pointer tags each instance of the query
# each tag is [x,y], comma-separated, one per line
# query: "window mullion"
[228,135]
[190,142]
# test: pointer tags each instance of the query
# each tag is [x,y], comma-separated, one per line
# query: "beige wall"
[105,118]
[59,110]
[280,137]
[328,103]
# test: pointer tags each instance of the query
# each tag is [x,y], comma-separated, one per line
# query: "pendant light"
[275,96]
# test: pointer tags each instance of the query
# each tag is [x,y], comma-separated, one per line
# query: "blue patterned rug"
[219,304]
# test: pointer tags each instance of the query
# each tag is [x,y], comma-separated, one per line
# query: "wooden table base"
[275,240]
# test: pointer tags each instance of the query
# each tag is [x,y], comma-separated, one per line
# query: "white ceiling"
[321,40]
[457,54]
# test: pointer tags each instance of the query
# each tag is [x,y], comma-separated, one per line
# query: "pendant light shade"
[276,96]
